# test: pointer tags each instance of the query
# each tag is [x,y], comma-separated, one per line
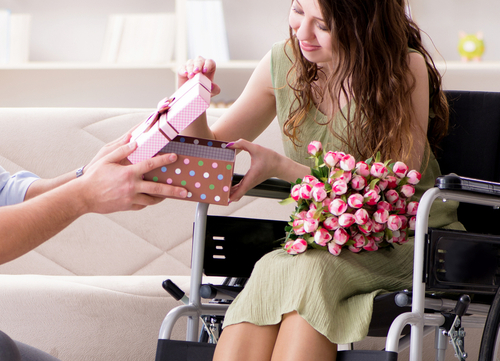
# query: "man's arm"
[108,186]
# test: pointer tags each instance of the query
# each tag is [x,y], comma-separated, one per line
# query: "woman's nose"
[304,31]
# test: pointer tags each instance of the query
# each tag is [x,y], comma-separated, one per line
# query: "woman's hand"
[199,65]
[265,164]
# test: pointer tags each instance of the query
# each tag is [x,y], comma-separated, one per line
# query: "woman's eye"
[300,12]
[322,27]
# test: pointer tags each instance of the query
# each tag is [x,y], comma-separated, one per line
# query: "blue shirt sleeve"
[13,188]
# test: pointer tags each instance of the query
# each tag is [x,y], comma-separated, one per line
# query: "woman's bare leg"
[246,341]
[298,341]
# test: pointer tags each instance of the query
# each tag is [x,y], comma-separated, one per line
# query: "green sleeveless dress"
[333,294]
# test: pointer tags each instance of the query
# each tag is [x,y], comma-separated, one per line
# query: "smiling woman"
[354,76]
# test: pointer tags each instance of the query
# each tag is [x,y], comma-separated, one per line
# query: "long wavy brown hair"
[373,38]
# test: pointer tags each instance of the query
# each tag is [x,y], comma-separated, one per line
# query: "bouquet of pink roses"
[348,204]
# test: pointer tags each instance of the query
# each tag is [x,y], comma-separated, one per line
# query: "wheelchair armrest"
[454,182]
[270,188]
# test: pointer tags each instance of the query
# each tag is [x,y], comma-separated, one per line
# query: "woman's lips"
[309,47]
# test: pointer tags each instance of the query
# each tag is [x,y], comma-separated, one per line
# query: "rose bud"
[362,169]
[355,200]
[378,227]
[300,245]
[394,222]
[295,193]
[334,248]
[412,208]
[347,220]
[314,148]
[322,237]
[331,159]
[407,190]
[355,249]
[348,162]
[298,227]
[331,223]
[379,170]
[381,216]
[337,207]
[371,246]
[288,247]
[305,191]
[411,223]
[359,240]
[326,202]
[309,179]
[319,192]
[358,183]
[403,238]
[392,182]
[372,197]
[391,196]
[383,184]
[346,176]
[310,225]
[400,169]
[400,206]
[366,228]
[384,205]
[414,177]
[361,216]
[340,237]
[404,221]
[339,187]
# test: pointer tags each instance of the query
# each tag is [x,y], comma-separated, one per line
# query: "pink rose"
[334,248]
[404,221]
[370,246]
[298,227]
[361,216]
[337,207]
[314,148]
[392,182]
[359,240]
[379,170]
[310,225]
[345,176]
[362,169]
[372,197]
[383,184]
[295,193]
[411,223]
[358,182]
[340,237]
[378,227]
[322,237]
[302,215]
[400,169]
[366,228]
[288,247]
[394,222]
[381,216]
[298,246]
[414,177]
[331,223]
[331,159]
[412,208]
[326,202]
[400,206]
[348,162]
[391,196]
[339,187]
[403,238]
[309,179]
[319,192]
[355,200]
[355,249]
[407,190]
[347,220]
[384,205]
[305,191]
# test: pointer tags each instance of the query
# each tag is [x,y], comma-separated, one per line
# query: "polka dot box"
[204,167]
[185,105]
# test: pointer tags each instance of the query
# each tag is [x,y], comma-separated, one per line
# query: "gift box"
[173,115]
[204,167]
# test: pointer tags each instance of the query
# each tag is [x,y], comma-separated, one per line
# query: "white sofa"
[93,292]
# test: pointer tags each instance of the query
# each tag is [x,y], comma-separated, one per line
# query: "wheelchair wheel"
[490,343]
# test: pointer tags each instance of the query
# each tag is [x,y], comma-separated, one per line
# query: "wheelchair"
[456,274]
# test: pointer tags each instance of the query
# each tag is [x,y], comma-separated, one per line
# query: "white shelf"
[468,66]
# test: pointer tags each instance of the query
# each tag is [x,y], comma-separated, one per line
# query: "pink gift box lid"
[185,105]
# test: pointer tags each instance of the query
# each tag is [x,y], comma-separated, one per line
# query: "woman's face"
[311,30]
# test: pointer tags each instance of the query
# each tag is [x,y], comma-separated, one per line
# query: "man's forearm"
[27,225]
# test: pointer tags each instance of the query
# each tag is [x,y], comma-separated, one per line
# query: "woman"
[355,76]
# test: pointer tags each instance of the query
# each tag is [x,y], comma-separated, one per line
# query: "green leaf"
[286,201]
[374,182]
